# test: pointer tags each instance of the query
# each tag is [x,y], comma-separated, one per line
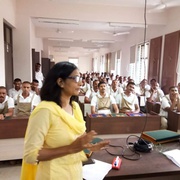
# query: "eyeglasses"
[75,78]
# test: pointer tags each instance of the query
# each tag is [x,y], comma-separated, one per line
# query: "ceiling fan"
[164,4]
[116,33]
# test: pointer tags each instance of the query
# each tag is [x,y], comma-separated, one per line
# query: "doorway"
[8,56]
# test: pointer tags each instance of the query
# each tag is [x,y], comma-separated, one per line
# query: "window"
[141,64]
[102,64]
[74,61]
[118,62]
[95,62]
[132,71]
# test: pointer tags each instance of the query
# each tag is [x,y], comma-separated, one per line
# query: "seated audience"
[141,89]
[91,92]
[26,101]
[13,92]
[128,101]
[34,87]
[169,102]
[179,87]
[115,89]
[84,87]
[6,104]
[103,102]
[155,94]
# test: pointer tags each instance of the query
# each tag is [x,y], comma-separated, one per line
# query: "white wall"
[137,37]
[24,34]
[10,18]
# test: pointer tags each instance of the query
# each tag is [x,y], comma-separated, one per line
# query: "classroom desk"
[153,165]
[123,125]
[14,127]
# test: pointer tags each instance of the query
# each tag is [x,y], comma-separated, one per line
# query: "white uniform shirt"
[165,103]
[118,91]
[90,93]
[14,93]
[86,87]
[131,99]
[159,94]
[10,102]
[39,76]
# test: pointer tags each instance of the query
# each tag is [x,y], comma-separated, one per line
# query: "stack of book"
[160,136]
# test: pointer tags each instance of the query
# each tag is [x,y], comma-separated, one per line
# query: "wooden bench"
[14,127]
[123,125]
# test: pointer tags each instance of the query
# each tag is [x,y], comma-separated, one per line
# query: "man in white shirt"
[155,94]
[13,92]
[6,104]
[34,87]
[38,75]
[128,101]
[103,102]
[26,101]
[91,92]
[115,89]
[169,102]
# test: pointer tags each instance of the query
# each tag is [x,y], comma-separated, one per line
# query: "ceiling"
[82,37]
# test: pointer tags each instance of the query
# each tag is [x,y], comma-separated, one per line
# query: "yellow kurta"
[50,126]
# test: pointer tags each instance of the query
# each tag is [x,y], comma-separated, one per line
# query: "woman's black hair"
[50,90]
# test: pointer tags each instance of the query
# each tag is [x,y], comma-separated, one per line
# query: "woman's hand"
[84,142]
[97,146]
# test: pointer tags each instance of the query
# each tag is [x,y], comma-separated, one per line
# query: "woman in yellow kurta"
[55,136]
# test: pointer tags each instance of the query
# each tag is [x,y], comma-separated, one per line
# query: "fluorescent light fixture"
[58,21]
[103,41]
[116,24]
[120,33]
[60,39]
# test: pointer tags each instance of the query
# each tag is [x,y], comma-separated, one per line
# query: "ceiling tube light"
[60,39]
[120,33]
[102,41]
[58,21]
[116,24]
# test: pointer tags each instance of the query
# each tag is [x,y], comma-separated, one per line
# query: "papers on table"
[96,171]
[174,155]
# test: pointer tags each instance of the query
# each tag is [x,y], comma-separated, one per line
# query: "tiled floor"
[9,171]
[12,149]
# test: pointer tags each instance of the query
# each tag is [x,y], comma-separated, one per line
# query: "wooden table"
[123,125]
[153,165]
[14,127]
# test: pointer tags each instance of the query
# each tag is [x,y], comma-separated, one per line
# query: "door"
[8,53]
[171,50]
[46,65]
[155,58]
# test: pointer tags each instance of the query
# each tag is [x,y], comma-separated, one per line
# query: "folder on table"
[160,136]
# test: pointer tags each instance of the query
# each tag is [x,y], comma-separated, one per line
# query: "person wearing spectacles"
[55,136]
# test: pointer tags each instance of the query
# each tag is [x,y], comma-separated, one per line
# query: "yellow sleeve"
[38,126]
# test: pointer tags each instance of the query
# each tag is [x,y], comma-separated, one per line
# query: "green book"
[160,136]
